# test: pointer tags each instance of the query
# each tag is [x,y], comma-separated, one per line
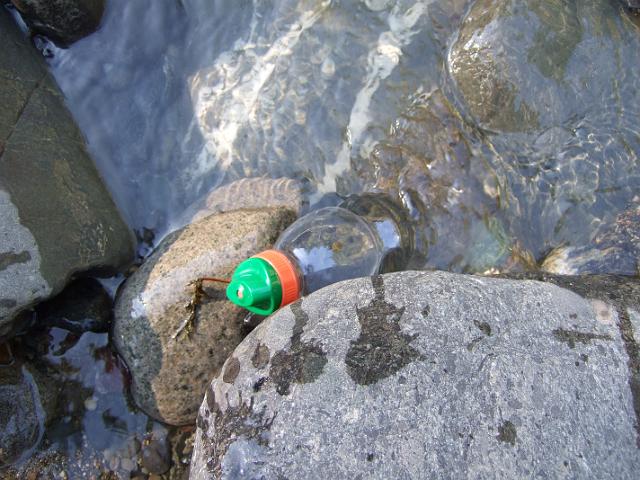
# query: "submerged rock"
[255,193]
[156,452]
[56,216]
[64,21]
[415,373]
[559,134]
[170,373]
[26,398]
[615,249]
[430,163]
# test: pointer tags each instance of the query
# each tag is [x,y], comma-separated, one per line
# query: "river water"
[514,123]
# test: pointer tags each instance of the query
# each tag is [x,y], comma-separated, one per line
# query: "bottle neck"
[391,224]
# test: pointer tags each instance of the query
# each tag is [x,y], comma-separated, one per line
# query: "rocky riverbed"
[146,144]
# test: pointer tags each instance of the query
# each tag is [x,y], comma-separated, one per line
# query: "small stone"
[156,454]
[91,403]
[114,463]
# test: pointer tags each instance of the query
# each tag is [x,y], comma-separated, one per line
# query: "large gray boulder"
[170,372]
[56,216]
[420,375]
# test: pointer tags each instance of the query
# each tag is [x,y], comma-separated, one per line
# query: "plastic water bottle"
[365,235]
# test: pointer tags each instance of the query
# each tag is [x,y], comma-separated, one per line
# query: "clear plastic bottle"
[365,235]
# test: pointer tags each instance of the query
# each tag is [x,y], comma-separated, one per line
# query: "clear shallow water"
[178,97]
[303,87]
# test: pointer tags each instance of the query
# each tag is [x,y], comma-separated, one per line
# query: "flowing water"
[506,128]
[497,123]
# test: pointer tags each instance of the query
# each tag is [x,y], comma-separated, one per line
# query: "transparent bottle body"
[330,245]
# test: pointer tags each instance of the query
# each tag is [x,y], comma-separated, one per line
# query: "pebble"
[114,463]
[91,403]
[128,464]
[328,67]
[156,456]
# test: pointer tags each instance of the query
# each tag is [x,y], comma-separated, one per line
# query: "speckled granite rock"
[170,375]
[413,374]
[56,217]
[64,21]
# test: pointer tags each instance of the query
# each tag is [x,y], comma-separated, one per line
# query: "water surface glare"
[501,125]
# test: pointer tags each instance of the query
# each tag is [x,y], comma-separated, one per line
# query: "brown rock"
[170,373]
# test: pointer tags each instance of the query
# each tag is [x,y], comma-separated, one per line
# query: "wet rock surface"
[477,377]
[64,21]
[156,453]
[26,399]
[255,193]
[170,373]
[83,306]
[56,217]
[615,248]
[563,148]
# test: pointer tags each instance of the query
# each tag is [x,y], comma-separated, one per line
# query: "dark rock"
[549,370]
[82,306]
[633,4]
[64,21]
[68,224]
[170,373]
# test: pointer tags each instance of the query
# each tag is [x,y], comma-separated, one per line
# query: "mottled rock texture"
[64,21]
[56,217]
[419,375]
[170,375]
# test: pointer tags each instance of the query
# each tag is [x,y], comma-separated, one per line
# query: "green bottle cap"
[255,286]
